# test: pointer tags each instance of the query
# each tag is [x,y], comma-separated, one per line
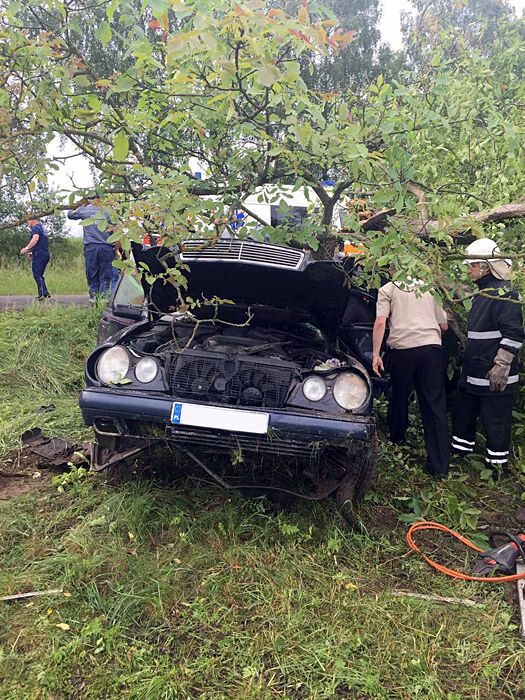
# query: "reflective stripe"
[478,382]
[483,335]
[485,382]
[511,343]
[497,454]
[458,439]
[462,448]
[496,461]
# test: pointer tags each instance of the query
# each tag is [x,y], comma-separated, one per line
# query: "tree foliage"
[356,65]
[218,86]
[474,24]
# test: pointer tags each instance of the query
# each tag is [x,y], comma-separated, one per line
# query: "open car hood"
[314,291]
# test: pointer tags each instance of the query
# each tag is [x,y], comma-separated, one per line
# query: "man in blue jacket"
[489,374]
[38,249]
[98,253]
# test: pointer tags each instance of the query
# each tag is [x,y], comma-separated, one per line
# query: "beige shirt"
[413,320]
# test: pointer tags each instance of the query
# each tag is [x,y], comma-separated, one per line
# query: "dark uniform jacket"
[493,323]
[42,243]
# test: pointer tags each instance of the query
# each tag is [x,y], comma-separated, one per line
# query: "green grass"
[42,354]
[178,590]
[62,277]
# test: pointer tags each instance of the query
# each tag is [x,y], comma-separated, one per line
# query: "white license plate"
[219,418]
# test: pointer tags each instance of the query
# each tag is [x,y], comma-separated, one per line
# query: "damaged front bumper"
[128,422]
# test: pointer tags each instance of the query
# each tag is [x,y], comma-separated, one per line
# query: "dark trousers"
[495,411]
[420,369]
[99,267]
[39,260]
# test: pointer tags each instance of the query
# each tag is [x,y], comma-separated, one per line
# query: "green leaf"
[94,102]
[82,81]
[267,75]
[104,33]
[124,83]
[111,8]
[120,146]
[344,112]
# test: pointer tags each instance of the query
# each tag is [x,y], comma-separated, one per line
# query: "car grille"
[232,380]
[243,251]
[219,441]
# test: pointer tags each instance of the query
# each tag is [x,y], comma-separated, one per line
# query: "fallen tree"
[156,92]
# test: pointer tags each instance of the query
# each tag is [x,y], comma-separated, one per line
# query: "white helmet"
[485,248]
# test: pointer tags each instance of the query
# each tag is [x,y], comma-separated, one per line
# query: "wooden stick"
[438,598]
[32,594]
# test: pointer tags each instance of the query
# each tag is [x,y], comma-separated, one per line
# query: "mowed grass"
[176,589]
[42,355]
[62,277]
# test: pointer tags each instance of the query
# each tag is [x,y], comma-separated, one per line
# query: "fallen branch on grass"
[437,598]
[32,594]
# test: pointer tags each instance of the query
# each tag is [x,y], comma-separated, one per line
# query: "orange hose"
[427,525]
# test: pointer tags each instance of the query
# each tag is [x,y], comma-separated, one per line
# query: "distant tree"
[475,25]
[356,65]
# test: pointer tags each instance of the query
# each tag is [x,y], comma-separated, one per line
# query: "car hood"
[314,292]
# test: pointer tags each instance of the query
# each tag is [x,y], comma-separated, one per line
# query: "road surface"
[17,302]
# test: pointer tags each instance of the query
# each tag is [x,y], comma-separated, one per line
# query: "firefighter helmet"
[486,248]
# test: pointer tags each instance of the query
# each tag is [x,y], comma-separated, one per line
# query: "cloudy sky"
[75,173]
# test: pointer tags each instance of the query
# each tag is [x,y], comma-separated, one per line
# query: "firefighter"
[416,324]
[489,374]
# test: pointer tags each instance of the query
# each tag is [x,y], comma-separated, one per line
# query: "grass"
[42,354]
[175,589]
[62,277]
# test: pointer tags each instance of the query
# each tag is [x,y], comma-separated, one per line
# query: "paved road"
[21,302]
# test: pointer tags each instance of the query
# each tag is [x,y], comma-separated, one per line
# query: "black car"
[262,351]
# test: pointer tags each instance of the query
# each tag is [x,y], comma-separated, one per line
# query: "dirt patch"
[378,519]
[26,469]
[11,487]
[20,473]
[20,463]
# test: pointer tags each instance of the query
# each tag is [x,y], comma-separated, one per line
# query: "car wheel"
[360,465]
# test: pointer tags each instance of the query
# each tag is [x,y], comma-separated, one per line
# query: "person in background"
[416,324]
[37,249]
[489,373]
[98,253]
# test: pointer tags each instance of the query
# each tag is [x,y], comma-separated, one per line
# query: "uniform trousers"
[39,260]
[495,411]
[421,369]
[99,267]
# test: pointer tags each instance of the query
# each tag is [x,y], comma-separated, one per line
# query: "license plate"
[219,418]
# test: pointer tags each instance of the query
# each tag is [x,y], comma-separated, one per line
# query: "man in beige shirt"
[415,357]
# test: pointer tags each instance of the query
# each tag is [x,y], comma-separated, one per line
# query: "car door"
[126,306]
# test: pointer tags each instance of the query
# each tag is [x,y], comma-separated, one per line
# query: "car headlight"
[112,365]
[314,388]
[146,370]
[350,390]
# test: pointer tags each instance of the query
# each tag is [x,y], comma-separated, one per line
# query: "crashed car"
[263,352]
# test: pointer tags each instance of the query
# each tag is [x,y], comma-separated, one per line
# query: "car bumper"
[121,413]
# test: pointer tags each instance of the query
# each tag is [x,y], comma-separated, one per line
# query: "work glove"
[499,372]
